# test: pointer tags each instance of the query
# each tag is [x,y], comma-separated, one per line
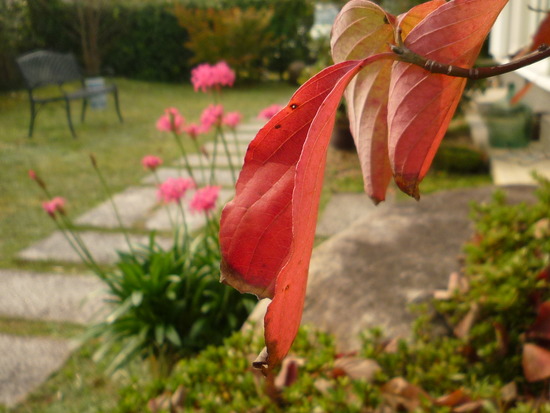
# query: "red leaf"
[421,104]
[536,362]
[540,329]
[364,28]
[542,36]
[267,231]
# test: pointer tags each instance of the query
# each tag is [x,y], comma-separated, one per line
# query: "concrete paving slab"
[231,147]
[103,247]
[26,362]
[515,166]
[251,127]
[367,275]
[344,209]
[133,204]
[221,161]
[51,297]
[222,177]
[163,217]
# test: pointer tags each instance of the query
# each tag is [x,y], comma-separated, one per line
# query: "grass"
[64,163]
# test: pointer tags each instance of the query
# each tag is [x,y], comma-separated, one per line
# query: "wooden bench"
[44,68]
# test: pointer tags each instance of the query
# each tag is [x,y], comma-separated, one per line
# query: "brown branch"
[408,56]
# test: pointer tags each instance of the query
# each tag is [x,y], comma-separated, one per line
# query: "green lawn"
[63,162]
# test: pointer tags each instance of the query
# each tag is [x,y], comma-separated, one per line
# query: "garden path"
[416,245]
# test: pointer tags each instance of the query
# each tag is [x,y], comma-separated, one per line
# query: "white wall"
[513,30]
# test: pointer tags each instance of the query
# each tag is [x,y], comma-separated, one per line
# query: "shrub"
[150,46]
[447,365]
[169,304]
[226,34]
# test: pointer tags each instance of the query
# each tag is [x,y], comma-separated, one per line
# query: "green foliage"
[501,267]
[15,34]
[225,34]
[251,36]
[150,45]
[168,304]
[462,159]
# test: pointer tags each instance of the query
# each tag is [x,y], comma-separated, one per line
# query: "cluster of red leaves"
[399,113]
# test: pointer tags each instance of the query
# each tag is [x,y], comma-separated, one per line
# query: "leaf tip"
[261,362]
[409,185]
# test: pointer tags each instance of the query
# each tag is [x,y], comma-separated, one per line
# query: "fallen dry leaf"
[399,393]
[536,362]
[356,368]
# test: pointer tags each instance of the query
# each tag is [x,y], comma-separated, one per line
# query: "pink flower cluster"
[212,116]
[205,77]
[205,199]
[55,205]
[232,119]
[171,121]
[151,162]
[269,112]
[173,189]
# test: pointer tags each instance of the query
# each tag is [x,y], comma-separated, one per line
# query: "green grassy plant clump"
[168,303]
[465,353]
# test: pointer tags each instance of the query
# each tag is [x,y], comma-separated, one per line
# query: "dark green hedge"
[145,41]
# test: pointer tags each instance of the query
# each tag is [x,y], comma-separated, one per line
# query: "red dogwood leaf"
[421,104]
[267,231]
[364,28]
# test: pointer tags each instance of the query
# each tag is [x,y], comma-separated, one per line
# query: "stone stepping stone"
[369,274]
[251,127]
[231,146]
[343,210]
[222,177]
[26,362]
[133,204]
[103,247]
[160,220]
[221,161]
[50,297]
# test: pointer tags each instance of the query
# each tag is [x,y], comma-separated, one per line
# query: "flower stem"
[166,208]
[184,153]
[214,155]
[203,176]
[109,194]
[228,154]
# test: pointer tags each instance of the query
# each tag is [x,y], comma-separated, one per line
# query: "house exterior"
[512,31]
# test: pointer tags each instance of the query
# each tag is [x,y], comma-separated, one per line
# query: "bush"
[465,353]
[150,45]
[461,159]
[226,34]
[257,36]
[169,304]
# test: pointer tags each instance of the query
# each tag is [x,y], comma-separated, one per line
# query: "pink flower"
[173,189]
[211,116]
[205,77]
[32,174]
[194,130]
[171,121]
[205,199]
[151,162]
[56,204]
[223,74]
[232,119]
[269,112]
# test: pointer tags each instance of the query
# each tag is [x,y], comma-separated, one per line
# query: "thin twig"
[408,56]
